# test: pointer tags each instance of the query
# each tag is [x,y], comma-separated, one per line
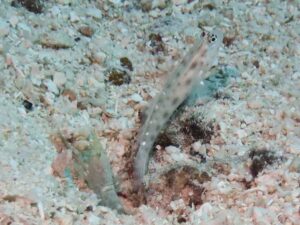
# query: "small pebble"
[156,42]
[34,6]
[13,21]
[86,31]
[51,86]
[89,208]
[24,29]
[241,133]
[59,78]
[28,105]
[118,77]
[94,220]
[73,17]
[77,39]
[70,94]
[4,28]
[65,219]
[249,120]
[97,57]
[126,63]
[94,12]
[55,40]
[136,98]
[255,104]
[55,10]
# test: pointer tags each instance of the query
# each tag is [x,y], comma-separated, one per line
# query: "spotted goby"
[190,71]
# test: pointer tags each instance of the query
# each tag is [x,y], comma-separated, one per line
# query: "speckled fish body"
[192,69]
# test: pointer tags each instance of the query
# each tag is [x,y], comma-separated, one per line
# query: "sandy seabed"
[72,67]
